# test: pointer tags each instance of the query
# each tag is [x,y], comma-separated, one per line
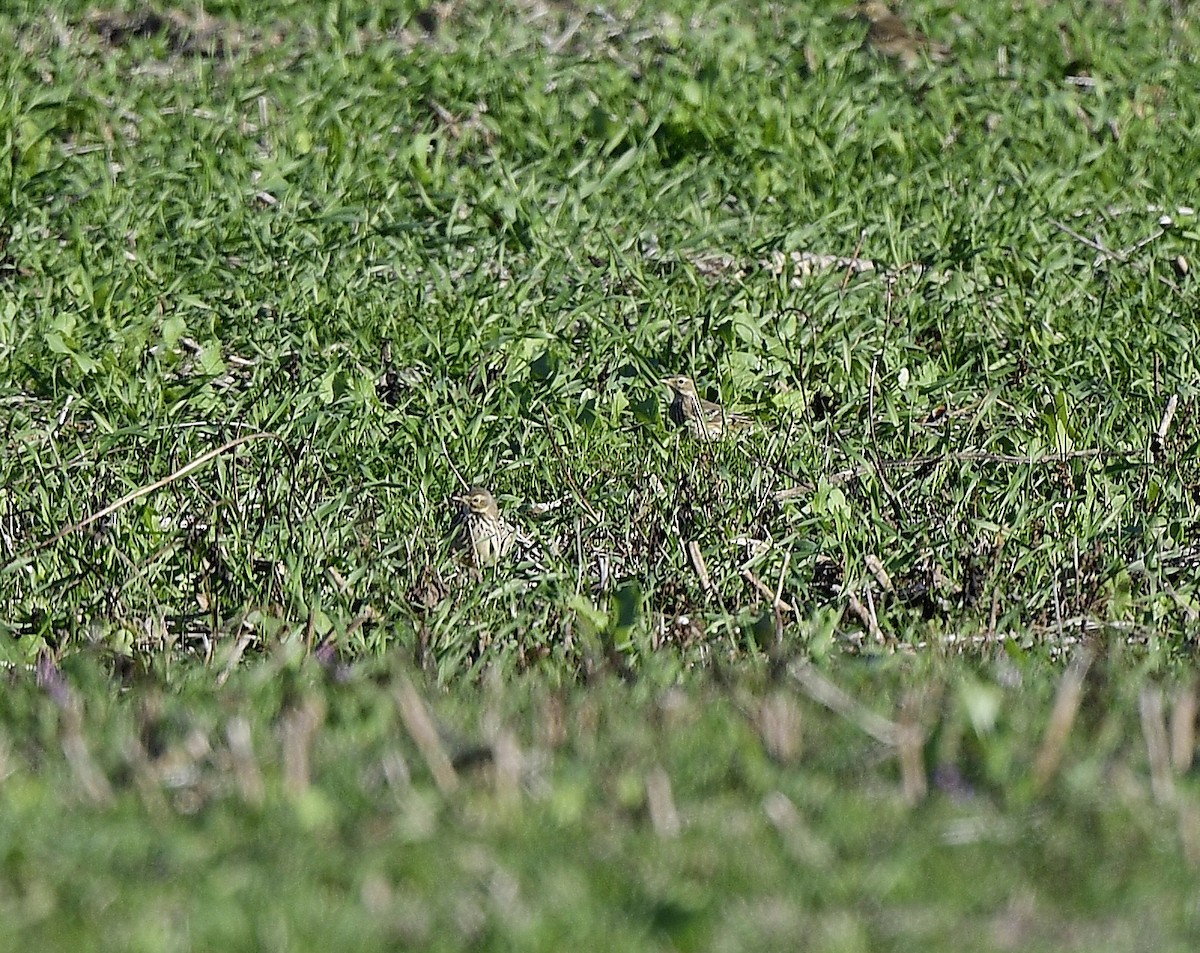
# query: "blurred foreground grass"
[300,808]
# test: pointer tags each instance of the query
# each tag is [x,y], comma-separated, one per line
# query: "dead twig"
[1141,243]
[1094,245]
[1159,438]
[147,490]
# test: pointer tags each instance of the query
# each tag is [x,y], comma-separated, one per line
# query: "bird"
[703,419]
[480,532]
[890,36]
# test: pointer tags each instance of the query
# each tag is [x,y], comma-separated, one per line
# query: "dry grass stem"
[765,591]
[1062,718]
[1164,425]
[798,836]
[660,802]
[1158,749]
[696,558]
[88,776]
[235,654]
[780,723]
[245,768]
[865,615]
[881,575]
[820,689]
[911,748]
[507,762]
[420,727]
[150,488]
[299,728]
[1189,831]
[1183,728]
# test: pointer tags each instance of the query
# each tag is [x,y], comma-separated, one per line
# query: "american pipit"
[890,36]
[480,531]
[703,419]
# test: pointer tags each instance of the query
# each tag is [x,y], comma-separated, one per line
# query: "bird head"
[873,11]
[681,384]
[477,500]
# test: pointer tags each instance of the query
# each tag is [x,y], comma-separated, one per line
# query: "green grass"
[213,230]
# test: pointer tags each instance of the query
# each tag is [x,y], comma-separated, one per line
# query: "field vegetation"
[906,664]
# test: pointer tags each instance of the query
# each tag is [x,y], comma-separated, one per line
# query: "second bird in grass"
[703,419]
[480,531]
[889,35]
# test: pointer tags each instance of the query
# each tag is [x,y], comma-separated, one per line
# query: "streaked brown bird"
[703,419]
[890,36]
[480,532]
